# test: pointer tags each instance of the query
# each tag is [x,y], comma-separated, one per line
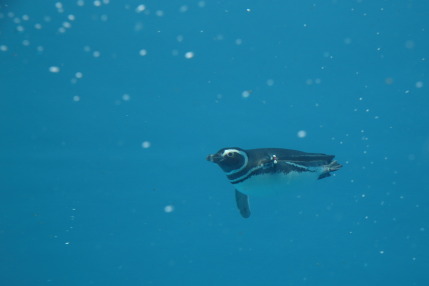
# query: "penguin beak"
[215,158]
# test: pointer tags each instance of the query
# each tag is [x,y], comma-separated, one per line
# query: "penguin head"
[230,160]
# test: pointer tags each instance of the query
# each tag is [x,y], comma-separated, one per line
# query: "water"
[109,108]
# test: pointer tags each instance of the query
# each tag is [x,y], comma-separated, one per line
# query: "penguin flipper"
[242,204]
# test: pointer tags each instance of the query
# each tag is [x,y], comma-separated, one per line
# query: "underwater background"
[109,108]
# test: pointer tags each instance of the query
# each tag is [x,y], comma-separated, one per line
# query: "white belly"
[266,184]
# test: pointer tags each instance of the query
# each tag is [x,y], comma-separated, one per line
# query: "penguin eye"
[230,154]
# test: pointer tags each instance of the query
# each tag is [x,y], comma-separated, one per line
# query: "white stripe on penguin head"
[246,159]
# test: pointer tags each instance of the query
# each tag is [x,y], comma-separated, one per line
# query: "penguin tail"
[331,167]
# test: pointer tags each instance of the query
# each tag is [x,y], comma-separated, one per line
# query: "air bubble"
[246,93]
[54,69]
[146,144]
[301,133]
[140,8]
[183,9]
[126,97]
[189,55]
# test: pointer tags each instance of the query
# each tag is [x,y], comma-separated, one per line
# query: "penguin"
[262,171]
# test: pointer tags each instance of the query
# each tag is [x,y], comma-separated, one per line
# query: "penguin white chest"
[274,183]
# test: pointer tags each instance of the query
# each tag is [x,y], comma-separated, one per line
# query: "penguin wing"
[242,201]
[302,158]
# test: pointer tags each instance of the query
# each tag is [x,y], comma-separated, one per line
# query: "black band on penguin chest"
[271,167]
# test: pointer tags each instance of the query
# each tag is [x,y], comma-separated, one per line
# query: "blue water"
[109,108]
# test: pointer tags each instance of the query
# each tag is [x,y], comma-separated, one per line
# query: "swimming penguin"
[270,170]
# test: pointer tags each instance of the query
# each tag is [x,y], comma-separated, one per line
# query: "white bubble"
[3,48]
[38,26]
[201,4]
[59,5]
[96,54]
[169,209]
[219,37]
[301,133]
[189,55]
[138,26]
[183,9]
[159,13]
[76,98]
[97,3]
[78,75]
[66,25]
[140,8]
[381,251]
[80,2]
[409,44]
[54,69]
[126,97]
[71,17]
[419,84]
[143,52]
[146,144]
[270,82]
[238,42]
[246,93]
